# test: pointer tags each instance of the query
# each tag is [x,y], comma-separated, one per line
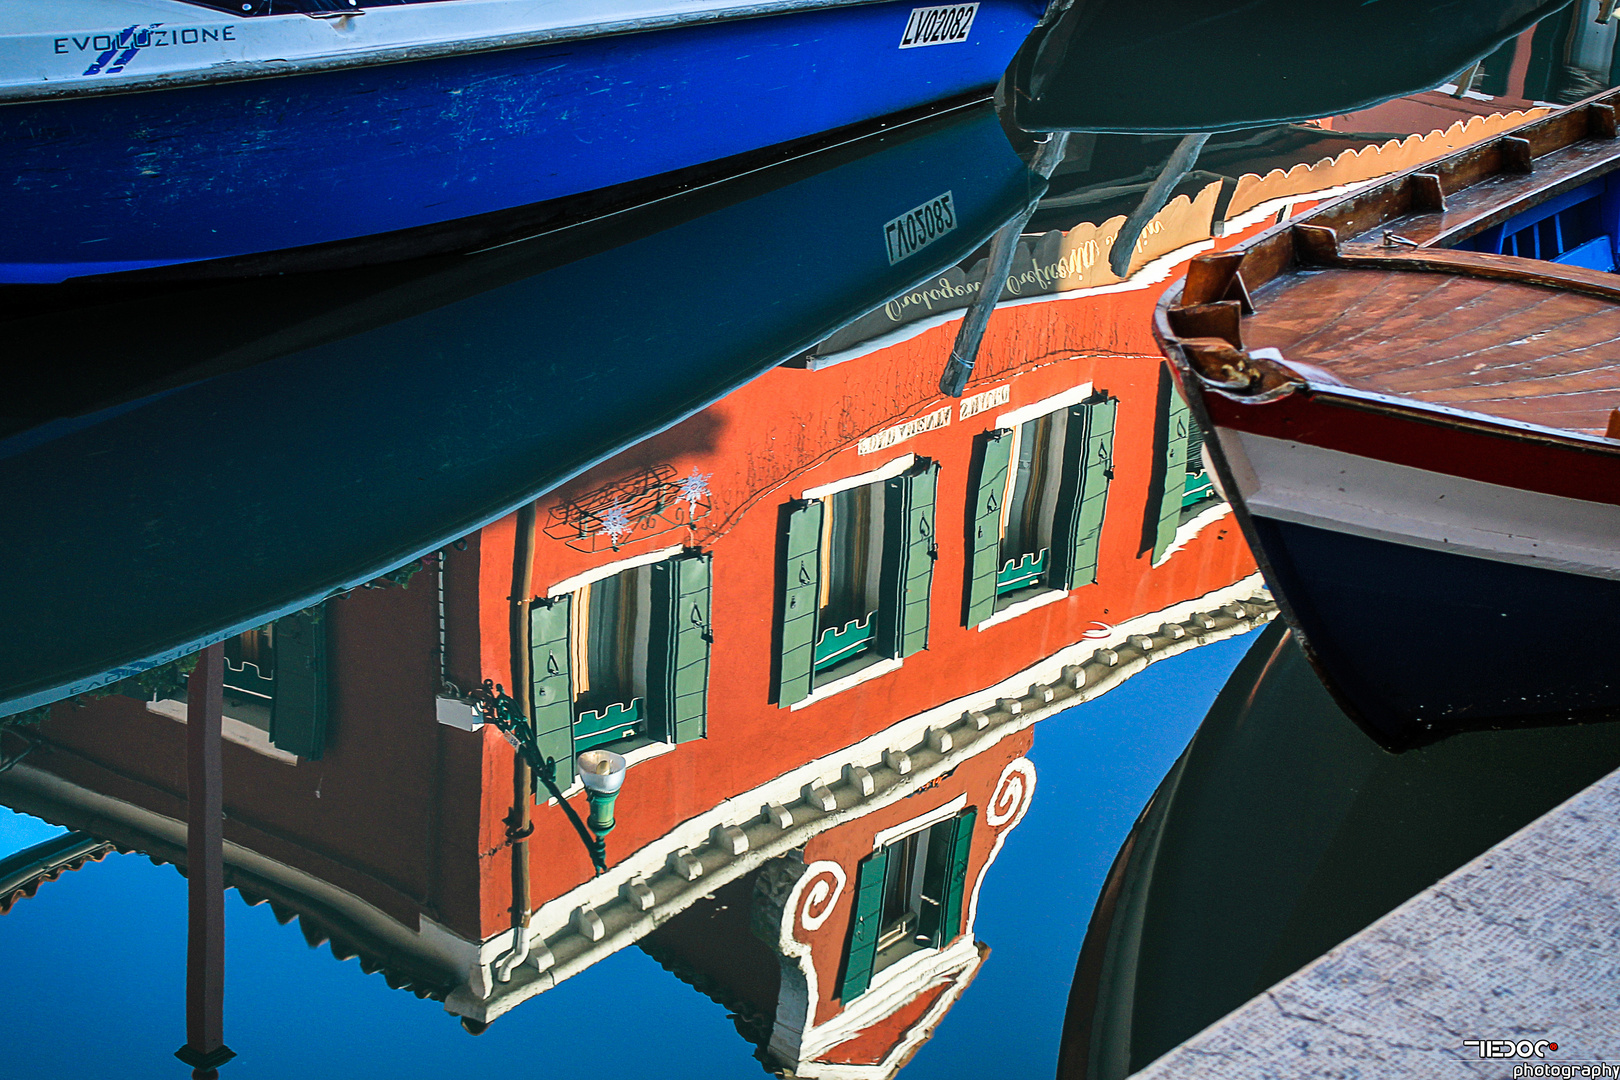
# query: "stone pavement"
[1523,943]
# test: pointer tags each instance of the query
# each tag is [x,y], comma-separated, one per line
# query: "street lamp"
[602,773]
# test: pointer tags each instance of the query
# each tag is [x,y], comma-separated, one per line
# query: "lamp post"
[601,771]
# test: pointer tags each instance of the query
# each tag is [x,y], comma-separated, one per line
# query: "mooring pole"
[998,267]
[205,1050]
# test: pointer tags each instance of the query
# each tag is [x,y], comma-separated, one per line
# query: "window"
[1198,490]
[1038,506]
[622,661]
[908,897]
[275,681]
[857,580]
[250,676]
[1026,516]
[851,578]
[1182,489]
[609,634]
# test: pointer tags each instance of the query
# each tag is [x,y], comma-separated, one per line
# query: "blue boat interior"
[1577,228]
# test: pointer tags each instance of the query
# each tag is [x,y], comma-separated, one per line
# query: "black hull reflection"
[355,425]
[1282,831]
[1213,67]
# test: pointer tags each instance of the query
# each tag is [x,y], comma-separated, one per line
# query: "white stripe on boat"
[1361,496]
[49,49]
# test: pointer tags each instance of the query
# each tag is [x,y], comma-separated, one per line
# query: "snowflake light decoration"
[615,522]
[693,489]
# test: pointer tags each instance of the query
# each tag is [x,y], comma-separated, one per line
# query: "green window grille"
[839,643]
[598,727]
[253,679]
[1024,572]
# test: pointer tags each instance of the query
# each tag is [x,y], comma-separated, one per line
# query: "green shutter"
[1174,464]
[801,601]
[936,880]
[1088,466]
[865,924]
[984,520]
[956,881]
[909,551]
[678,654]
[298,701]
[551,693]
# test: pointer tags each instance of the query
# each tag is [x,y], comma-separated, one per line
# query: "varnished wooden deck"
[1518,351]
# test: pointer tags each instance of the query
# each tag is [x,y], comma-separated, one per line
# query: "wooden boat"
[1282,831]
[1215,65]
[1419,436]
[303,434]
[138,134]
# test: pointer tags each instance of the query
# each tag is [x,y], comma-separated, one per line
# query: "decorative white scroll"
[1012,795]
[824,885]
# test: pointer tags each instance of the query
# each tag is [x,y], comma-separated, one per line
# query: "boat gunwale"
[1508,269]
[254,70]
[1270,251]
[1468,228]
[1228,278]
[1372,401]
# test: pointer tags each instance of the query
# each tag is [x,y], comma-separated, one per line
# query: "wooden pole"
[205,1048]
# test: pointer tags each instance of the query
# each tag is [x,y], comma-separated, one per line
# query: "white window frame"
[895,833]
[607,570]
[886,472]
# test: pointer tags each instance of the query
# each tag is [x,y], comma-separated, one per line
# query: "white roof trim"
[432,941]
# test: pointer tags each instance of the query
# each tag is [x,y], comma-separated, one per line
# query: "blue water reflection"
[292,1011]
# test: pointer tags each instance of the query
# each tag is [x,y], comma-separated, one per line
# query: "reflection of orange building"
[818,619]
[774,948]
[861,561]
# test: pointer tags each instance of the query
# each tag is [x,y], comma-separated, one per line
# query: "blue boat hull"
[1421,643]
[369,417]
[117,182]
